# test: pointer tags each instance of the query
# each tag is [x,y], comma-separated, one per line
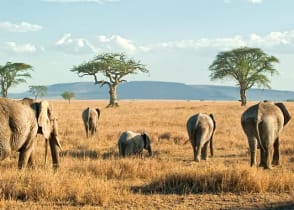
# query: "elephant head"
[147,145]
[262,123]
[48,127]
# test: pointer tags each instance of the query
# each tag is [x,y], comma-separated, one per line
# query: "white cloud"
[271,40]
[21,27]
[82,1]
[280,41]
[65,39]
[255,1]
[25,48]
[116,41]
[75,45]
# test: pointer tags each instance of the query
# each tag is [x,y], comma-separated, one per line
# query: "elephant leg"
[194,151]
[31,161]
[204,155]
[268,157]
[262,157]
[5,150]
[198,152]
[276,157]
[252,146]
[24,156]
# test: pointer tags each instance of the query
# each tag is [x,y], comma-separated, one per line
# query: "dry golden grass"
[92,176]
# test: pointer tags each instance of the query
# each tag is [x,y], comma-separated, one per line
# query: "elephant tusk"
[58,143]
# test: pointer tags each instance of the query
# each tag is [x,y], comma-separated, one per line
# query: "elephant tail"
[259,130]
[211,138]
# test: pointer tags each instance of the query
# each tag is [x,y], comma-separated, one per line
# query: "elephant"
[21,121]
[131,143]
[201,128]
[262,123]
[90,118]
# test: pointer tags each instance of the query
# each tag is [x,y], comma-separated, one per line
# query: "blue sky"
[176,39]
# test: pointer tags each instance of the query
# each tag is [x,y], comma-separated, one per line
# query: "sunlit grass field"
[91,175]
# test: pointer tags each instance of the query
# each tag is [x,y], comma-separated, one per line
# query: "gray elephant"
[201,129]
[131,143]
[262,124]
[21,121]
[90,118]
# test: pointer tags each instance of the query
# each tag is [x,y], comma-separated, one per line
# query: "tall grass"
[91,172]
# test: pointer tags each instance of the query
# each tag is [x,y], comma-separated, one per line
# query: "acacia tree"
[38,90]
[114,67]
[12,74]
[249,66]
[68,95]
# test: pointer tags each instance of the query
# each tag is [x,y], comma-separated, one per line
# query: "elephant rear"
[200,128]
[90,118]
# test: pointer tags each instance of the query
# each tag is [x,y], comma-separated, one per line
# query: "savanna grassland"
[92,176]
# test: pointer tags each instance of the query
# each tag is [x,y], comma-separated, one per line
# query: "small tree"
[38,90]
[12,74]
[249,66]
[67,95]
[113,66]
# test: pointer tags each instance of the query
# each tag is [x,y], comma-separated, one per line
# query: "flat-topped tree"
[12,74]
[248,66]
[114,67]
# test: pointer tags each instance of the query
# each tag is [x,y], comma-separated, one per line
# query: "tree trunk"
[3,91]
[112,96]
[243,97]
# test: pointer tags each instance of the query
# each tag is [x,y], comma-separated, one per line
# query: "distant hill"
[160,90]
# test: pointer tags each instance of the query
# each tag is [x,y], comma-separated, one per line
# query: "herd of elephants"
[22,120]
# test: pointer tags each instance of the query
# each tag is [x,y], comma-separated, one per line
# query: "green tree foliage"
[12,74]
[38,90]
[114,67]
[248,66]
[68,95]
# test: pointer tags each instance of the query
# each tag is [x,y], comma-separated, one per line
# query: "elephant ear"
[286,114]
[144,136]
[44,118]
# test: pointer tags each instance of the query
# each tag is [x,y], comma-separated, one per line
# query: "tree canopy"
[248,66]
[12,74]
[38,90]
[112,66]
[68,95]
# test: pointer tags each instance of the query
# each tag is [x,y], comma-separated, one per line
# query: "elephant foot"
[275,162]
[196,160]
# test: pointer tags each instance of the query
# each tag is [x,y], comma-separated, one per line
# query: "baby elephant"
[201,129]
[90,118]
[130,143]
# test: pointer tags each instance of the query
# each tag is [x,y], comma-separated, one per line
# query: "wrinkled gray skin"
[20,123]
[262,124]
[90,118]
[131,143]
[200,128]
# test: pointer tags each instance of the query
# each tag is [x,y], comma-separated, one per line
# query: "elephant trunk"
[54,143]
[149,151]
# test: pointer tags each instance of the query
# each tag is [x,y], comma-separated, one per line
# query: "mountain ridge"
[159,90]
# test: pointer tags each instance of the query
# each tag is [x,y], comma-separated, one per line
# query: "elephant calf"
[201,129]
[130,143]
[90,118]
[262,124]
